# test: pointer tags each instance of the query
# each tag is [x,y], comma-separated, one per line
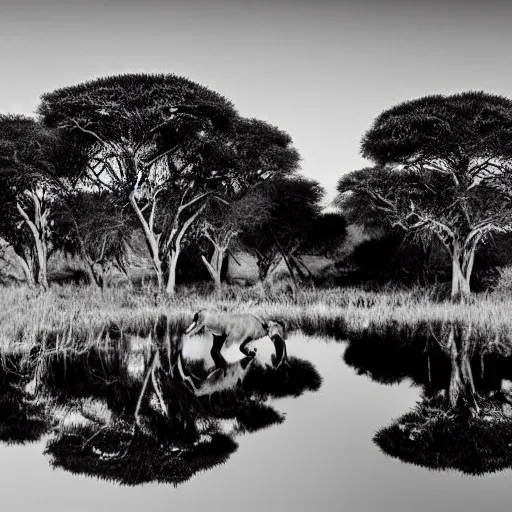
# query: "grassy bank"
[77,315]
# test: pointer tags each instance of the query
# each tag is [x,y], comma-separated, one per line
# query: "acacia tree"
[324,236]
[92,225]
[442,167]
[257,152]
[224,222]
[294,204]
[29,180]
[148,136]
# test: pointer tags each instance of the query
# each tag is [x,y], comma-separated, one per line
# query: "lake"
[320,457]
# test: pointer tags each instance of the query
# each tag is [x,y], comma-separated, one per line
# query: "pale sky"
[321,70]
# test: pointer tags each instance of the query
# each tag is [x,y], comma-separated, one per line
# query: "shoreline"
[73,315]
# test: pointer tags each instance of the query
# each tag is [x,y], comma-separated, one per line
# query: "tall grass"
[77,316]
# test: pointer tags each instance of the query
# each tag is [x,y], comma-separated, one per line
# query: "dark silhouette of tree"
[257,152]
[394,256]
[224,222]
[324,236]
[33,171]
[149,136]
[294,206]
[327,233]
[94,226]
[442,167]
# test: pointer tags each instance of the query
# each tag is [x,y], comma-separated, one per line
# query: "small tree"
[224,222]
[294,206]
[149,135]
[443,167]
[29,180]
[256,153]
[92,225]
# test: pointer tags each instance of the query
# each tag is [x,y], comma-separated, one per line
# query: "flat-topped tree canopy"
[265,149]
[253,152]
[27,149]
[444,169]
[456,128]
[33,155]
[139,118]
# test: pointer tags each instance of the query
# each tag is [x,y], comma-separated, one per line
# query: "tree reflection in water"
[22,419]
[462,421]
[135,414]
[132,417]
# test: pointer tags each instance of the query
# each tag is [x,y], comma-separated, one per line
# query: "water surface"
[321,457]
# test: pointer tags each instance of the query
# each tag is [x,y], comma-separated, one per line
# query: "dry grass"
[76,315]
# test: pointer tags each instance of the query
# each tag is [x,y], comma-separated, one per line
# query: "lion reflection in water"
[238,329]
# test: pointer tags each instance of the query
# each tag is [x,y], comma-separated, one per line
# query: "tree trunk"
[461,390]
[469,259]
[214,267]
[175,250]
[94,279]
[152,241]
[460,281]
[42,273]
[27,268]
[119,264]
[90,272]
[101,275]
[171,277]
[220,243]
[217,260]
[38,229]
[298,263]
[287,263]
[157,264]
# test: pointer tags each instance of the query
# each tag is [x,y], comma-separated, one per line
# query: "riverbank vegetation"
[162,192]
[73,316]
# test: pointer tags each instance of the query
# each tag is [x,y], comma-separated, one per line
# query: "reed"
[75,317]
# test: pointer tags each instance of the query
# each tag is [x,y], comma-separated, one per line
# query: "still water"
[321,457]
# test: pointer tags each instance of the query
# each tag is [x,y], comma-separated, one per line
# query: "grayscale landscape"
[255,255]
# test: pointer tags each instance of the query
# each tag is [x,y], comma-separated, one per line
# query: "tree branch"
[94,134]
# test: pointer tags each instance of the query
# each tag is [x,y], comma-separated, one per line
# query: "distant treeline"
[155,157]
[158,159]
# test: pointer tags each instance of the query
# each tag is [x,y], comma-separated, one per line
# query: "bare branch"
[194,201]
[160,156]
[94,134]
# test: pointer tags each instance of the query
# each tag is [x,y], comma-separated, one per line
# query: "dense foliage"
[442,168]
[156,155]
